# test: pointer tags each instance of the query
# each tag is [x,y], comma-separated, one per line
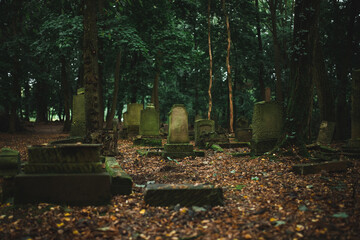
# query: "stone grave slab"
[316,167]
[78,125]
[121,182]
[183,194]
[178,150]
[326,132]
[9,162]
[202,127]
[267,124]
[72,189]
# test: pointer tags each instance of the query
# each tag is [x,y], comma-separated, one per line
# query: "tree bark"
[229,80]
[298,112]
[210,60]
[155,90]
[111,114]
[91,68]
[260,53]
[66,91]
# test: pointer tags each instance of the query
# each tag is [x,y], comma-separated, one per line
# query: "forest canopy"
[168,52]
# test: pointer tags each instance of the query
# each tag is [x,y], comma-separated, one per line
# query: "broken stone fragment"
[183,194]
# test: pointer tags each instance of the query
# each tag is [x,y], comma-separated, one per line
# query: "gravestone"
[242,132]
[178,145]
[203,127]
[149,134]
[63,174]
[132,118]
[267,124]
[78,125]
[9,162]
[326,132]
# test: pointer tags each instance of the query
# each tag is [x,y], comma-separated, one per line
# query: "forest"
[220,59]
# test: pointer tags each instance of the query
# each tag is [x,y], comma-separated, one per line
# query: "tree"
[210,60]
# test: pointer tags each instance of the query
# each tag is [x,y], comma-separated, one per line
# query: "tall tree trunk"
[111,114]
[210,60]
[66,91]
[231,109]
[42,101]
[155,90]
[260,53]
[91,68]
[298,112]
[26,101]
[277,54]
[14,103]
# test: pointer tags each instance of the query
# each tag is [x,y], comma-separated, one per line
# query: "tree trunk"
[66,91]
[16,89]
[260,53]
[155,90]
[277,53]
[231,109]
[298,112]
[355,105]
[210,60]
[91,68]
[111,114]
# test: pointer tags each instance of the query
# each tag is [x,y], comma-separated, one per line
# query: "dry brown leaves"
[263,200]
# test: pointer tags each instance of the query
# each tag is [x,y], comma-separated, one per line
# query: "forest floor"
[264,199]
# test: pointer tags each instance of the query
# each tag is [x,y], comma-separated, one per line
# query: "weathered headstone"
[64,174]
[9,162]
[267,124]
[78,125]
[149,127]
[178,145]
[202,127]
[132,118]
[242,132]
[183,194]
[326,132]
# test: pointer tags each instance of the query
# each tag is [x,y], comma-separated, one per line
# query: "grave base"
[312,168]
[183,194]
[121,182]
[72,189]
[263,146]
[178,150]
[148,141]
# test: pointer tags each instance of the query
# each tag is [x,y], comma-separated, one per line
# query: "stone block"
[148,141]
[203,127]
[84,167]
[267,121]
[312,168]
[121,182]
[243,134]
[133,114]
[64,153]
[326,132]
[78,125]
[183,194]
[69,189]
[9,162]
[149,122]
[178,150]
[178,125]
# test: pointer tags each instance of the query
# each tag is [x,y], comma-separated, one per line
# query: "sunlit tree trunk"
[228,68]
[112,110]
[91,68]
[210,60]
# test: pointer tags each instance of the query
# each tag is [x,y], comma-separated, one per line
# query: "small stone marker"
[326,132]
[78,125]
[203,126]
[267,124]
[9,162]
[312,168]
[121,182]
[183,194]
[178,145]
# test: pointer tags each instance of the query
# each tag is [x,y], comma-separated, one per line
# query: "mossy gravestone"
[133,118]
[149,127]
[64,174]
[9,162]
[203,127]
[326,132]
[78,125]
[242,132]
[267,124]
[178,145]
